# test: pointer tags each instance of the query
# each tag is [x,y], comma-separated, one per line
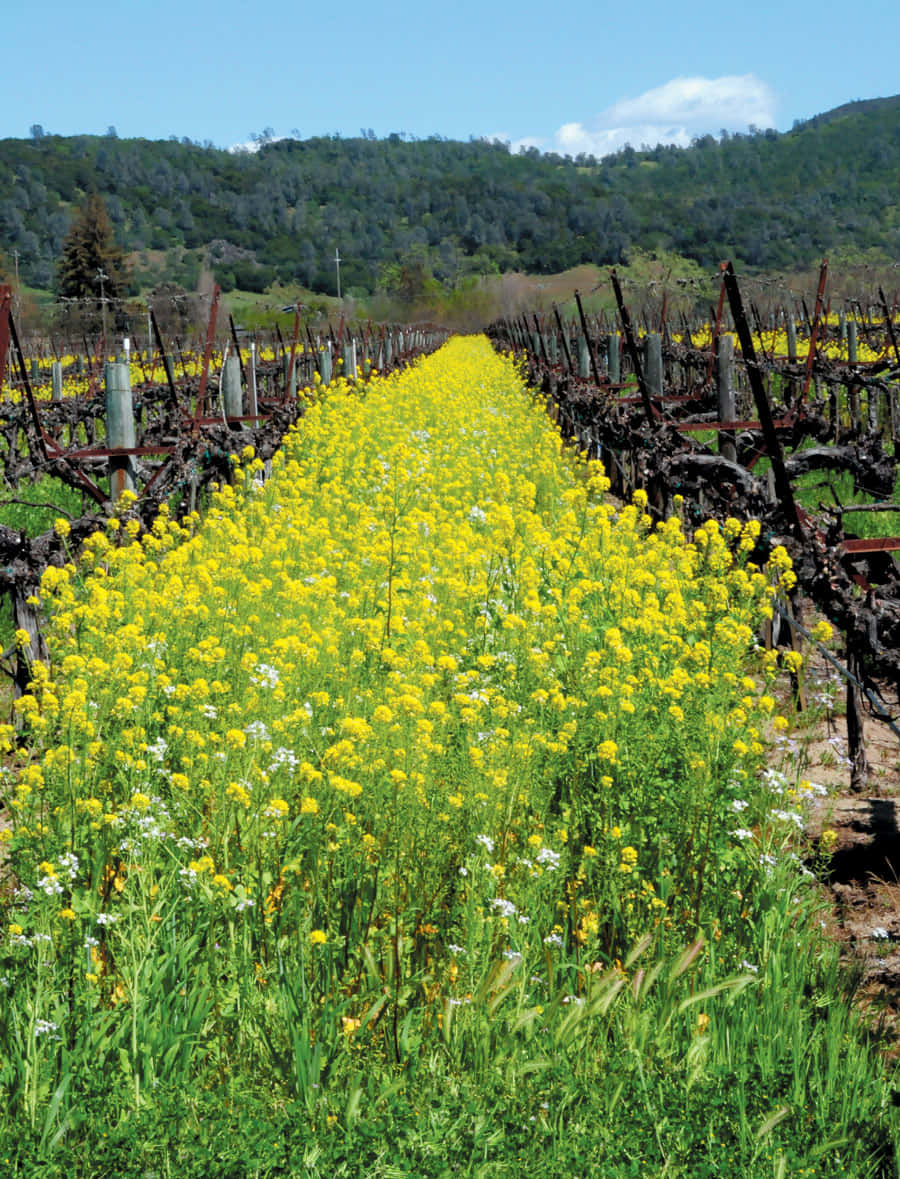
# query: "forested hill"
[769,200]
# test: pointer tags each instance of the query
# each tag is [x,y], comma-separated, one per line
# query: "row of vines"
[788,417]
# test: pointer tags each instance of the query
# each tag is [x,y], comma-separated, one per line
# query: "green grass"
[44,502]
[672,1070]
[828,489]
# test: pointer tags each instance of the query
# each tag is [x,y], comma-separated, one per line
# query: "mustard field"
[414,811]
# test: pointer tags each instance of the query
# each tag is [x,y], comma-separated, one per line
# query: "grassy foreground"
[407,816]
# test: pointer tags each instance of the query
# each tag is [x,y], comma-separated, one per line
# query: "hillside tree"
[92,267]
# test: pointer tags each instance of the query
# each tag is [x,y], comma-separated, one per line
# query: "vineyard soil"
[863,876]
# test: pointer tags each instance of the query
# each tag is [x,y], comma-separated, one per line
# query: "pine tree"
[89,249]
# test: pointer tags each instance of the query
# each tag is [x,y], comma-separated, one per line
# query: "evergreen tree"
[89,249]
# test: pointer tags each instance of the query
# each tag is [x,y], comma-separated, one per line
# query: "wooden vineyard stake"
[725,394]
[232,395]
[856,747]
[119,428]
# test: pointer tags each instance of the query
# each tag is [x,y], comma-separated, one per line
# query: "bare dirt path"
[863,831]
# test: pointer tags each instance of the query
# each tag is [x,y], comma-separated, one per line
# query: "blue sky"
[572,77]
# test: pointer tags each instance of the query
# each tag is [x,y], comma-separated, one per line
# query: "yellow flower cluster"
[775,343]
[80,386]
[426,627]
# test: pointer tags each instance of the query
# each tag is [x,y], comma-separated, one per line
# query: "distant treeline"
[405,211]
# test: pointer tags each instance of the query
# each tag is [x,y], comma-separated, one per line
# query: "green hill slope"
[399,208]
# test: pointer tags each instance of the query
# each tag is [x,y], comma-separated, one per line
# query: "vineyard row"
[100,428]
[727,421]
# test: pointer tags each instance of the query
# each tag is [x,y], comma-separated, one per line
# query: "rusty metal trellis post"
[207,353]
[167,367]
[32,406]
[5,305]
[587,337]
[814,328]
[565,342]
[652,412]
[773,446]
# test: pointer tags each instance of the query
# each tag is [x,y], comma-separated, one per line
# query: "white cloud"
[252,146]
[674,113]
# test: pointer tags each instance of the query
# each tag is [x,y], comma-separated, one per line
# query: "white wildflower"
[504,907]
[257,731]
